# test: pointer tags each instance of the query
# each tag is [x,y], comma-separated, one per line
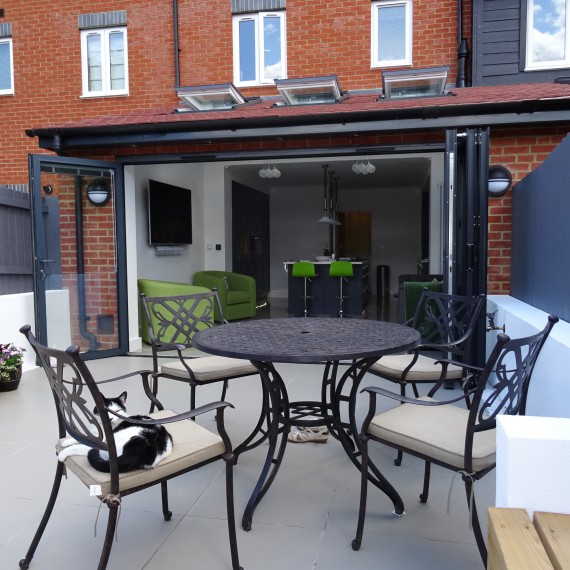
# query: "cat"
[138,446]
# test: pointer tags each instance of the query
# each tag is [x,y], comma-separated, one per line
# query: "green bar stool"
[306,270]
[342,270]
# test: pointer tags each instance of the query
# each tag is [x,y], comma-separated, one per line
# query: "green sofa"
[236,292]
[152,288]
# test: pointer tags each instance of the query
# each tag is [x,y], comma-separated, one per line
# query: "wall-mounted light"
[48,189]
[500,180]
[99,192]
[361,167]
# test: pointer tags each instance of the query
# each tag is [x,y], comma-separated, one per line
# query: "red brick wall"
[521,150]
[323,38]
[100,277]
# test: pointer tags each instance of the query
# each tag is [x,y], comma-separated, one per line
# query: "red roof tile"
[352,103]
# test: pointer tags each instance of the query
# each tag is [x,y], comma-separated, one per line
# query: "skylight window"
[211,97]
[417,83]
[310,90]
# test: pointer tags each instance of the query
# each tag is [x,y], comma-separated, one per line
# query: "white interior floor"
[305,522]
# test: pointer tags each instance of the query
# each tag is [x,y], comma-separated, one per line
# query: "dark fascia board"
[435,117]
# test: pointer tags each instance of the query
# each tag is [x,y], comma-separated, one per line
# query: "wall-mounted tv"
[169,214]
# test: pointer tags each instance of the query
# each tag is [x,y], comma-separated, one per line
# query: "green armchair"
[152,288]
[236,292]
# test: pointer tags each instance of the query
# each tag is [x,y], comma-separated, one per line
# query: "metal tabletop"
[306,340]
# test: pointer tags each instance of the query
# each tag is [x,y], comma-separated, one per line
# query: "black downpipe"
[83,318]
[463,50]
[176,44]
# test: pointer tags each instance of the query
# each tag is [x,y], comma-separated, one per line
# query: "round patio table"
[328,341]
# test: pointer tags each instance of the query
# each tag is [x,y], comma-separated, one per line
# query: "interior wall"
[177,267]
[297,234]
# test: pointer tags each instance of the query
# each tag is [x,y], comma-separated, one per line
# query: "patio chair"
[455,438]
[172,322]
[194,446]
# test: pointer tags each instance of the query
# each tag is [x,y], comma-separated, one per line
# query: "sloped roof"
[526,99]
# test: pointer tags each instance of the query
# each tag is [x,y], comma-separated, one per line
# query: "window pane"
[5,71]
[391,33]
[247,50]
[117,59]
[94,66]
[272,47]
[548,34]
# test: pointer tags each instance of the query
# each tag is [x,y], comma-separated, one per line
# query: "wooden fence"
[16,269]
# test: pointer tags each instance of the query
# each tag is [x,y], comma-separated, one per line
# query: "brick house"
[129,113]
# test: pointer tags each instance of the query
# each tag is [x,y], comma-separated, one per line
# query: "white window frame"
[10,90]
[257,18]
[552,64]
[376,7]
[104,34]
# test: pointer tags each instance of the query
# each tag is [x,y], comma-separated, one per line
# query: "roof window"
[417,83]
[309,90]
[210,97]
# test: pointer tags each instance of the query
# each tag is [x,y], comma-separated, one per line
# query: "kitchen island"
[324,290]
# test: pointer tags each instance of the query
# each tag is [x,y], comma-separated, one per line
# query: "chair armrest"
[177,417]
[211,282]
[373,390]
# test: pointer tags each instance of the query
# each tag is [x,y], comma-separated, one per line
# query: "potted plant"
[11,358]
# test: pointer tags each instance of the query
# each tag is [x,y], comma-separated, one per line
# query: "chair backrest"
[176,319]
[448,320]
[303,269]
[72,385]
[341,269]
[502,387]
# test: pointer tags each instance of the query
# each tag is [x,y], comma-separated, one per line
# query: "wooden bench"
[516,543]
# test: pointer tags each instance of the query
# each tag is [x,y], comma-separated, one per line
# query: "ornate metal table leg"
[348,430]
[277,412]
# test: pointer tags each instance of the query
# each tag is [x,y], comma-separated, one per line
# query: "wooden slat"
[554,531]
[514,542]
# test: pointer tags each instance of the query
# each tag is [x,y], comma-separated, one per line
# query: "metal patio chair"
[172,322]
[73,386]
[448,435]
[446,323]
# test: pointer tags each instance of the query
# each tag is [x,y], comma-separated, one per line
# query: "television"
[169,214]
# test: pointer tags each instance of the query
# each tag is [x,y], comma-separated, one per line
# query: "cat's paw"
[68,441]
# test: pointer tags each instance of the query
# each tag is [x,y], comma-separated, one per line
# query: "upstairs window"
[391,33]
[259,48]
[547,39]
[104,62]
[6,61]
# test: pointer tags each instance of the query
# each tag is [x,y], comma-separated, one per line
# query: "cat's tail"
[97,462]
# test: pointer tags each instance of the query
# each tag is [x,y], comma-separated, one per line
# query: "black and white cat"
[138,446]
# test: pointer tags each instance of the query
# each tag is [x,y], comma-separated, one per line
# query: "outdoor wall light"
[48,189]
[99,192]
[500,180]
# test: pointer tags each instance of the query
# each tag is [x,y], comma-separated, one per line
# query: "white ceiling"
[391,172]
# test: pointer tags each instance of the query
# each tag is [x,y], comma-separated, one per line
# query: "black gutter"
[416,118]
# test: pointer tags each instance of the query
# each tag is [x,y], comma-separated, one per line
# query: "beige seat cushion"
[210,368]
[438,431]
[192,444]
[424,370]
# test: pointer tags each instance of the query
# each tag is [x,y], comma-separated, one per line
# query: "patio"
[306,522]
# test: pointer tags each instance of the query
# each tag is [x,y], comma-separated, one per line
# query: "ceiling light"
[269,172]
[361,167]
